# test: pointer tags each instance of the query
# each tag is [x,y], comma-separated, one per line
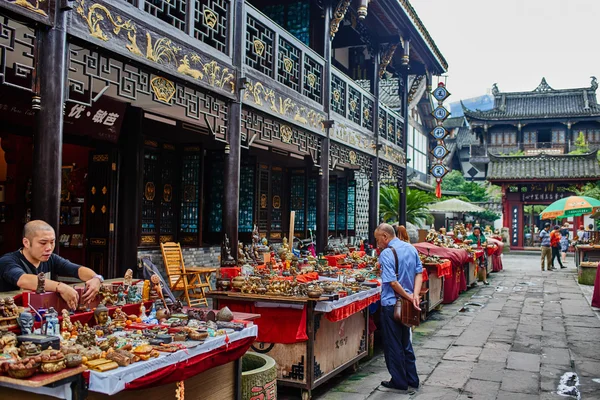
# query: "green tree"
[581,145]
[453,181]
[591,189]
[416,205]
[473,191]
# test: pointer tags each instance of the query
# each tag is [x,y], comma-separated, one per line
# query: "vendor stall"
[495,254]
[586,260]
[310,339]
[433,283]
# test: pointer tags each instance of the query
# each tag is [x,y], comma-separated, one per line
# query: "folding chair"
[192,281]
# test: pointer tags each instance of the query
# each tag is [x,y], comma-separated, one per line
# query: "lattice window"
[297,199]
[149,206]
[215,195]
[311,220]
[338,95]
[367,121]
[190,201]
[246,215]
[298,15]
[362,204]
[19,42]
[354,106]
[391,128]
[351,205]
[276,13]
[171,11]
[259,46]
[382,124]
[263,199]
[399,130]
[342,192]
[313,75]
[288,71]
[277,199]
[167,208]
[211,23]
[332,204]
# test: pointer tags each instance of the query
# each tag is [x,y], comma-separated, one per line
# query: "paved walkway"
[516,340]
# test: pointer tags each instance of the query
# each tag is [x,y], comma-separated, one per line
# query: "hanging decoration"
[440,151]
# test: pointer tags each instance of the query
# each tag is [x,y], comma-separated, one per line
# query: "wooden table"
[587,254]
[434,286]
[331,346]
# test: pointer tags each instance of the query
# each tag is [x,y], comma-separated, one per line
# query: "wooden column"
[47,141]
[374,180]
[233,150]
[403,184]
[520,137]
[323,178]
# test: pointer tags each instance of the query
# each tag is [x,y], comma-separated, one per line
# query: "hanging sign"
[440,151]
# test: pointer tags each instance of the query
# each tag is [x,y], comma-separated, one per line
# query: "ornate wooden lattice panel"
[268,131]
[246,214]
[382,130]
[399,131]
[263,197]
[342,209]
[17,54]
[170,11]
[389,173]
[311,219]
[347,157]
[211,19]
[313,78]
[367,121]
[149,205]
[90,72]
[259,46]
[297,199]
[354,105]
[167,181]
[332,204]
[362,204]
[338,95]
[277,200]
[215,192]
[288,68]
[351,205]
[391,128]
[190,198]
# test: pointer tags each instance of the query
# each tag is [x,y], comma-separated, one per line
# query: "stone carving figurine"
[133,295]
[25,321]
[120,296]
[241,254]
[101,315]
[52,325]
[66,325]
[226,258]
[128,280]
[41,287]
[3,312]
[11,308]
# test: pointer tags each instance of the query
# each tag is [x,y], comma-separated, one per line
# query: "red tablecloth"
[275,325]
[344,312]
[596,295]
[497,260]
[333,260]
[443,269]
[425,275]
[452,285]
[457,257]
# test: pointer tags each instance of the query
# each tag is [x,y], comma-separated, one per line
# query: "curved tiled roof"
[544,167]
[542,102]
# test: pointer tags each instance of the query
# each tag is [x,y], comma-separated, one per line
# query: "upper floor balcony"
[479,154]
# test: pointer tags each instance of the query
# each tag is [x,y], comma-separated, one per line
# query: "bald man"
[19,269]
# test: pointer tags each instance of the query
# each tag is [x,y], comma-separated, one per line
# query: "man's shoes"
[563,267]
[389,385]
[486,283]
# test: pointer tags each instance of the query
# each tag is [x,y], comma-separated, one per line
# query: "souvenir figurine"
[107,296]
[25,321]
[41,286]
[241,255]
[101,315]
[127,281]
[8,342]
[119,318]
[133,296]
[11,309]
[142,312]
[226,258]
[120,296]
[3,312]
[52,324]
[66,325]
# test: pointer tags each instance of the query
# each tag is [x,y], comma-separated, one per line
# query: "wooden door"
[101,209]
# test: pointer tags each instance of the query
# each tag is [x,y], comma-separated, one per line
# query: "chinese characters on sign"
[440,113]
[544,196]
[514,241]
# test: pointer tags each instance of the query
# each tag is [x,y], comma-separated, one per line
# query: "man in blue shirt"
[405,282]
[545,246]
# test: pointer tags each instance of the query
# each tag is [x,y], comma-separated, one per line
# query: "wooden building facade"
[130,123]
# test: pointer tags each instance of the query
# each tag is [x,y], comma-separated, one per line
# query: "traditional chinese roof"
[543,102]
[544,167]
[455,122]
[465,138]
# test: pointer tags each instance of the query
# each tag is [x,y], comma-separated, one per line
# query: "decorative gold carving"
[167,193]
[352,157]
[148,239]
[188,239]
[263,201]
[288,64]
[31,7]
[366,113]
[150,191]
[163,89]
[104,190]
[165,238]
[338,16]
[93,190]
[352,105]
[312,79]
[276,202]
[167,146]
[336,95]
[275,235]
[100,158]
[354,139]
[259,47]
[390,170]
[161,50]
[257,92]
[286,134]
[210,18]
[191,148]
[93,209]
[387,58]
[151,143]
[381,123]
[98,242]
[103,209]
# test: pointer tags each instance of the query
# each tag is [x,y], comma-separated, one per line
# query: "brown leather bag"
[404,310]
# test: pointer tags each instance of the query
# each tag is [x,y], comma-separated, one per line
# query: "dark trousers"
[398,351]
[556,253]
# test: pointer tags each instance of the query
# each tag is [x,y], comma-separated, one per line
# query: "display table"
[436,273]
[310,340]
[495,258]
[586,259]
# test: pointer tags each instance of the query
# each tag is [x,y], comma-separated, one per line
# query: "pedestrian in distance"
[555,244]
[545,246]
[478,240]
[564,241]
[401,275]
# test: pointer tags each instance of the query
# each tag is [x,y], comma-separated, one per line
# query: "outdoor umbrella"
[454,206]
[573,206]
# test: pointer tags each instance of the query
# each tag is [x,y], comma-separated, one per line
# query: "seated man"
[19,269]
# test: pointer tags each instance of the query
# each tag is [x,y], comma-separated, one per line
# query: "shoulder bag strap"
[395,258]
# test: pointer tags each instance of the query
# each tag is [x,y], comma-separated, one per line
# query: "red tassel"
[438,190]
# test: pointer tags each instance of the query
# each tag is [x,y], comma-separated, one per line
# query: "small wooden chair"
[192,281]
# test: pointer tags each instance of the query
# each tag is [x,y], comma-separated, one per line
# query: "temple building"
[527,145]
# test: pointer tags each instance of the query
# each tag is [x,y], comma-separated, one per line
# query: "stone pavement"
[514,339]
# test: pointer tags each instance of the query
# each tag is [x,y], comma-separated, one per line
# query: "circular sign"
[439,171]
[440,113]
[439,151]
[439,132]
[440,93]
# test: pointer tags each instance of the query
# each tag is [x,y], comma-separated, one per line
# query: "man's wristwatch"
[100,278]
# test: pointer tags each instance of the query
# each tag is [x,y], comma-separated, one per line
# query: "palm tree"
[416,205]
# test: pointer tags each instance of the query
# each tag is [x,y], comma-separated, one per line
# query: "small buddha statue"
[101,315]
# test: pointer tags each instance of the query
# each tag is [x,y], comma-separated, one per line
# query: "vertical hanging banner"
[440,151]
